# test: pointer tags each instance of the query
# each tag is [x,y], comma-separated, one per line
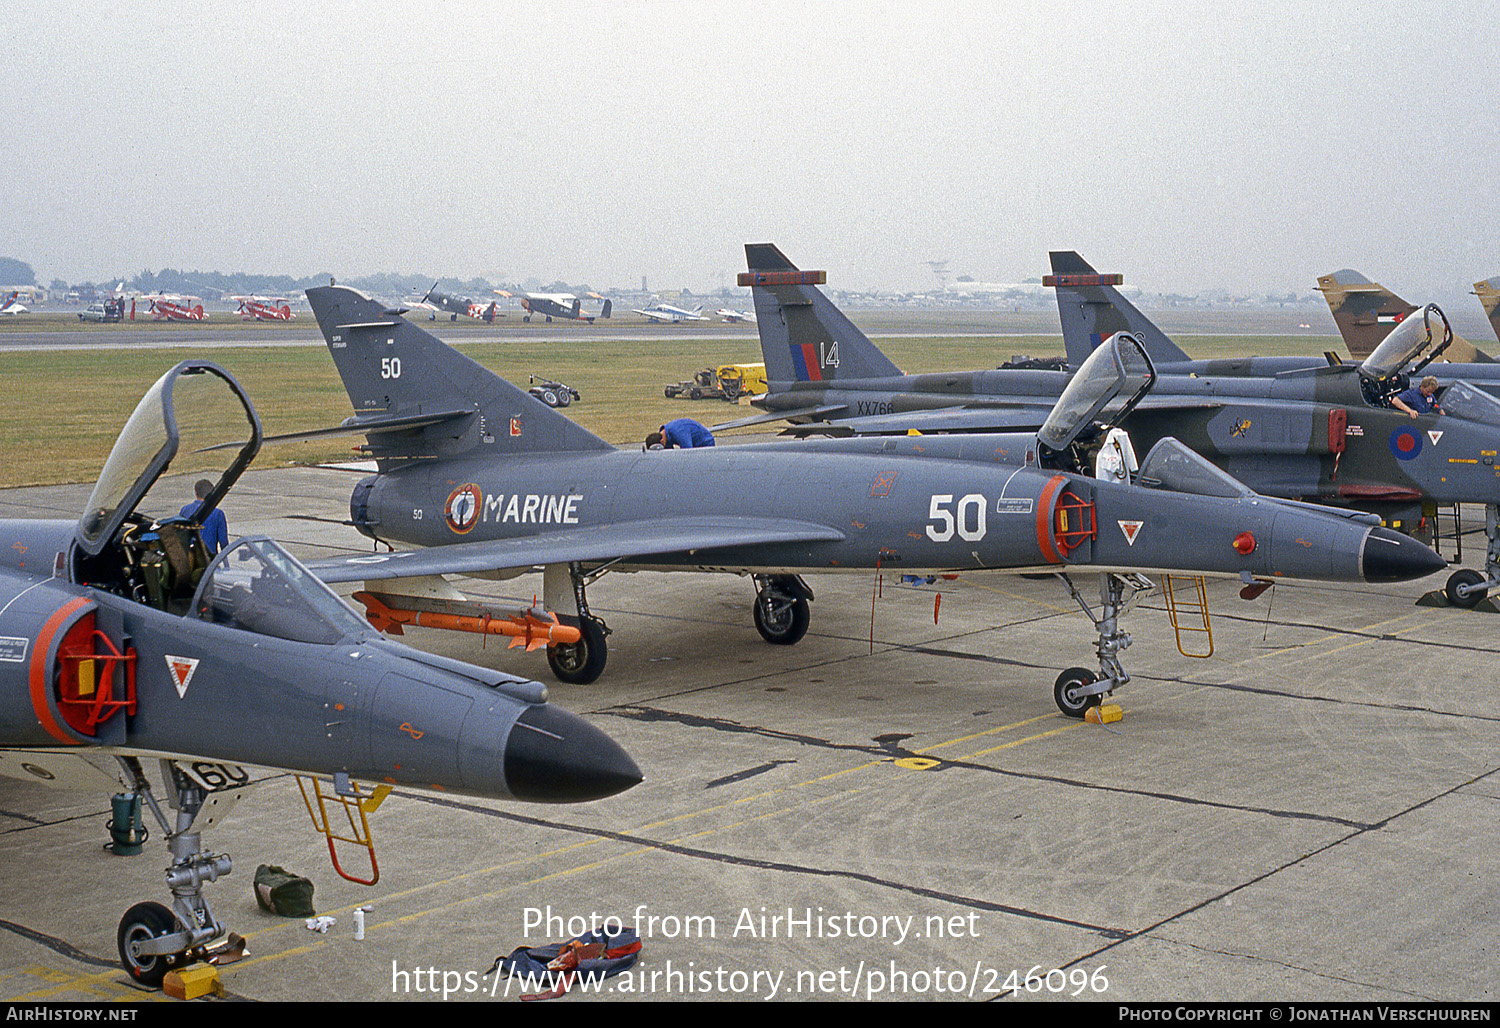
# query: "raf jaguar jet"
[484,479]
[123,640]
[1267,425]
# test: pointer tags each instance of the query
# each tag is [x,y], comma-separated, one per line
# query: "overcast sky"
[1246,146]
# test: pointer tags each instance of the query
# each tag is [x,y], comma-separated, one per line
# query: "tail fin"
[604,314]
[394,370]
[1092,310]
[1488,292]
[1364,311]
[803,336]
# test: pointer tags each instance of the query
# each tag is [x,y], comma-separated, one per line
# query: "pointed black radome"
[1392,557]
[553,756]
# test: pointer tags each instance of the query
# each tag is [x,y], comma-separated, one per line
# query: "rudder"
[803,336]
[1091,310]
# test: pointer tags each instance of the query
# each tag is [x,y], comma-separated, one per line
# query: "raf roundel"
[1405,443]
[463,506]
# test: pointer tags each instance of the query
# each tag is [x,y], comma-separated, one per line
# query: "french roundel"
[1405,443]
[462,509]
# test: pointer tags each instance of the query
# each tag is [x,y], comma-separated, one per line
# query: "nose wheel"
[1466,587]
[140,928]
[1070,691]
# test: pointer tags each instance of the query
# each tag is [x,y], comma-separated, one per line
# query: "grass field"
[64,408]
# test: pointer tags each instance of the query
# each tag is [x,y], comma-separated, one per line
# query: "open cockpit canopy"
[1105,388]
[1413,344]
[193,407]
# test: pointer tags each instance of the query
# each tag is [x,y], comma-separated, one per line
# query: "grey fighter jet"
[122,639]
[1092,309]
[1386,461]
[486,478]
[1321,433]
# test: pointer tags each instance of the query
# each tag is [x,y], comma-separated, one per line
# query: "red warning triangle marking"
[1131,530]
[181,669]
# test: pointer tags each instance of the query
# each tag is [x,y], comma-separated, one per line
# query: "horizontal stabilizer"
[631,539]
[947,419]
[771,416]
[374,426]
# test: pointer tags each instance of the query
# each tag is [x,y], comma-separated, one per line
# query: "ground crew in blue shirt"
[1419,399]
[216,526]
[684,434]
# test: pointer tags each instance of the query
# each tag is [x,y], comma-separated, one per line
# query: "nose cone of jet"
[1392,557]
[553,756]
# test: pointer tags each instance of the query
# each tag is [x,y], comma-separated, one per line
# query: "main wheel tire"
[549,397]
[141,922]
[564,398]
[1467,577]
[785,626]
[582,662]
[1064,691]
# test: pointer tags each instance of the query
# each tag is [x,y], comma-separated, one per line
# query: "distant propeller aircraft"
[264,308]
[562,306]
[667,314]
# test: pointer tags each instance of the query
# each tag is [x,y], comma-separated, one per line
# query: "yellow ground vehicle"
[749,378]
[726,382]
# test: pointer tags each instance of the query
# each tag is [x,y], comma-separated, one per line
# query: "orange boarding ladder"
[348,796]
[1190,613]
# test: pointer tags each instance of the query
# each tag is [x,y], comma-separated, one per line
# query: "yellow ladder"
[348,796]
[1190,612]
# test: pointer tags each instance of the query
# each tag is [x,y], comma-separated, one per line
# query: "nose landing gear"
[153,939]
[1077,689]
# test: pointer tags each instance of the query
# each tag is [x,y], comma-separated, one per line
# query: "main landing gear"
[1467,587]
[582,662]
[781,608]
[1077,689]
[154,939]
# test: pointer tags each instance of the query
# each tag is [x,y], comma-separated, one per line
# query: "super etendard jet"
[122,638]
[1290,427]
[487,479]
